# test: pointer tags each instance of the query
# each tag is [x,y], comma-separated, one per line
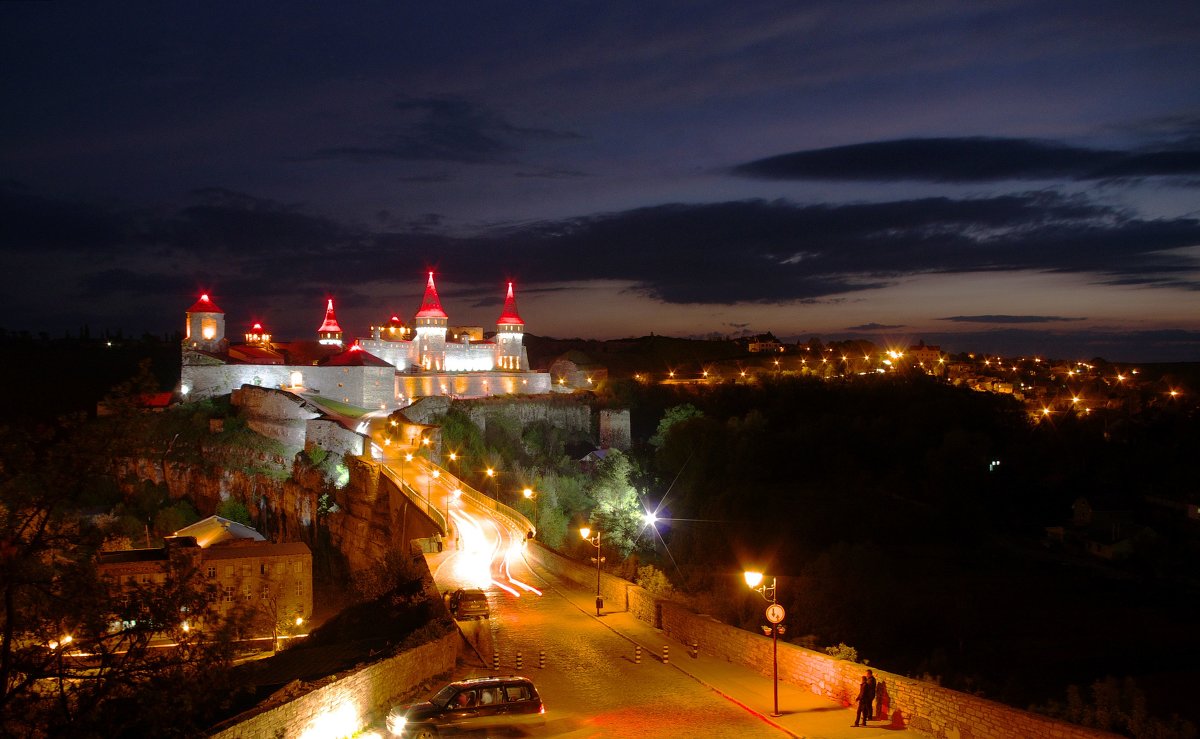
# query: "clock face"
[775,613]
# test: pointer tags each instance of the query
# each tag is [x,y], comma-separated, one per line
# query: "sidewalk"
[804,714]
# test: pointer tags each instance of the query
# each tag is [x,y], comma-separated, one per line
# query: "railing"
[415,497]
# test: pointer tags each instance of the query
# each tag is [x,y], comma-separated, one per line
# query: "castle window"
[265,593]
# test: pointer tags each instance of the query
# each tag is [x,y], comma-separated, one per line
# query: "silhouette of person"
[870,695]
[864,703]
[881,701]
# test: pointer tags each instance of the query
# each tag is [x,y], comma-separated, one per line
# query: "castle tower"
[509,331]
[205,328]
[330,332]
[258,336]
[431,324]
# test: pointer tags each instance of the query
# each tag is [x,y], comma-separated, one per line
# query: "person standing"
[864,703]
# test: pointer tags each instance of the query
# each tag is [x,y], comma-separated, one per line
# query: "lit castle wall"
[398,363]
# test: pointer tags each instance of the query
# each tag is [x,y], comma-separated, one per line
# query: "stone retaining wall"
[348,701]
[913,704]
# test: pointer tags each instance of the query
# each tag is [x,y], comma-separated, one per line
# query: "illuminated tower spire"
[509,331]
[330,332]
[431,324]
[431,305]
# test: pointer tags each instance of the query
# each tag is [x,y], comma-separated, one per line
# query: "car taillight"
[542,709]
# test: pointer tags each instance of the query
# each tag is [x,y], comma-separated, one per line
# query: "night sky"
[1012,177]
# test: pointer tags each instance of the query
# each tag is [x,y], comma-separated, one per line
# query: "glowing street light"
[775,614]
[585,532]
[532,498]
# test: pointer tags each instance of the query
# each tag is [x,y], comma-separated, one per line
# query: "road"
[593,682]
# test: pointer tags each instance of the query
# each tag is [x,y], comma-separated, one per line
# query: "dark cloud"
[769,252]
[970,160]
[1009,319]
[446,130]
[875,327]
[758,251]
[31,222]
[1158,345]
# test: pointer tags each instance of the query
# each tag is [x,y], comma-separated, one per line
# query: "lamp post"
[491,474]
[429,486]
[585,532]
[532,498]
[775,614]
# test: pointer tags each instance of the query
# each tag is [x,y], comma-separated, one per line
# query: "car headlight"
[396,723]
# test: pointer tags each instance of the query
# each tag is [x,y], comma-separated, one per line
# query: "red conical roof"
[204,305]
[431,305]
[509,315]
[330,324]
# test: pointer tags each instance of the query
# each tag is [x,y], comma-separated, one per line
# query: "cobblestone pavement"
[591,684]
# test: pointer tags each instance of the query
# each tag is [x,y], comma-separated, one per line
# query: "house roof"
[431,304]
[214,530]
[355,356]
[204,305]
[509,315]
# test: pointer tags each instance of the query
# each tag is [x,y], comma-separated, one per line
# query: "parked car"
[478,704]
[469,603]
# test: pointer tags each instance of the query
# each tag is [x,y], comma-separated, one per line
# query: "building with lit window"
[232,563]
[397,363]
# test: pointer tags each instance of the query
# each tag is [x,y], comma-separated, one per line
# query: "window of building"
[280,567]
[228,570]
[263,567]
[212,570]
[265,593]
[297,567]
[245,569]
[228,593]
[299,588]
[246,594]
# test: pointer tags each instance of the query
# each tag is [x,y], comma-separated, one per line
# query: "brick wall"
[920,706]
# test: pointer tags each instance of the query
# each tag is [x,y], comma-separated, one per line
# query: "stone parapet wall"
[349,700]
[273,413]
[914,704]
[333,437]
[575,418]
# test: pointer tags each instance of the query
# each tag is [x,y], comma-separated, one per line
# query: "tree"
[673,416]
[234,510]
[618,512]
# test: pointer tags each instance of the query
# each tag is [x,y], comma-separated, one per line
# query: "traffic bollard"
[518,660]
[695,649]
[637,654]
[666,654]
[496,660]
[541,659]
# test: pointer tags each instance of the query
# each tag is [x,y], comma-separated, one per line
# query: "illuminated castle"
[398,363]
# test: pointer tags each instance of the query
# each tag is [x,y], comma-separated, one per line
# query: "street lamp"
[585,532]
[775,614]
[429,486]
[532,498]
[491,473]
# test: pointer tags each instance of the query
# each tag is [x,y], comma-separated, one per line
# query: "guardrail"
[415,497]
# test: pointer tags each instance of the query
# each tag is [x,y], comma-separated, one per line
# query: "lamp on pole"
[775,614]
[585,532]
[429,486]
[491,473]
[532,498]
